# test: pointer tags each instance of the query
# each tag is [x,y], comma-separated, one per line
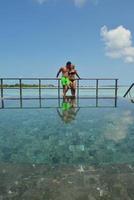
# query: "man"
[64,79]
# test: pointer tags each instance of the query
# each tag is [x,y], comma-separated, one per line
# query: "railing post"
[1,82]
[97,88]
[40,93]
[116,89]
[20,83]
[2,100]
[39,88]
[58,88]
[77,88]
[59,93]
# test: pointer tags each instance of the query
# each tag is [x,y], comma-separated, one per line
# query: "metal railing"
[39,86]
[129,89]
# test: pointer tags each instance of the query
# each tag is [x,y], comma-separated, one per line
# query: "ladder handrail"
[128,90]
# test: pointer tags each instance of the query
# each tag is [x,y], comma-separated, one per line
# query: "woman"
[72,73]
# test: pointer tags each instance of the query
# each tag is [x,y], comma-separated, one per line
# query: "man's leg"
[65,89]
[64,85]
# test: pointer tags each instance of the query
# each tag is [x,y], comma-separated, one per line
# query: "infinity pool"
[72,150]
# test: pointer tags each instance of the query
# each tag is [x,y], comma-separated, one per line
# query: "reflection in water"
[117,130]
[66,103]
[68,110]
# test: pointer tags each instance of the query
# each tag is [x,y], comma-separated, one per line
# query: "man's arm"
[60,70]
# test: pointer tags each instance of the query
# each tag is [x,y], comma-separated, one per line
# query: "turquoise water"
[70,150]
[75,136]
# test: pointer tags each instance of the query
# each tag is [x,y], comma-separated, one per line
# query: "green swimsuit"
[65,81]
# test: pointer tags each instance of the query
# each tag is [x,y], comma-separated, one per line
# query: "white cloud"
[41,1]
[79,3]
[118,43]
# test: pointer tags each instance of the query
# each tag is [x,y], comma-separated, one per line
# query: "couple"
[68,78]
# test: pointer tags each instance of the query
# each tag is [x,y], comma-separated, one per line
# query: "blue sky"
[37,37]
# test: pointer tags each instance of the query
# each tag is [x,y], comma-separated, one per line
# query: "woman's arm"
[77,74]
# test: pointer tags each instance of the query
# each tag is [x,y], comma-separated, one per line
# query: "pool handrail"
[129,89]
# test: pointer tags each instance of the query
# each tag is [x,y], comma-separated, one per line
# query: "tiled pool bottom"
[41,182]
[44,155]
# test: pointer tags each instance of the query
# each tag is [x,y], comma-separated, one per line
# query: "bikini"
[72,73]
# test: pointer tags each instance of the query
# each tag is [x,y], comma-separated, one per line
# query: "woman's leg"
[73,88]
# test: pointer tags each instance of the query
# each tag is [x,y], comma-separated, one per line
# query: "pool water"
[68,149]
[68,135]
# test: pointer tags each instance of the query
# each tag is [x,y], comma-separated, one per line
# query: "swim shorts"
[65,81]
[66,106]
